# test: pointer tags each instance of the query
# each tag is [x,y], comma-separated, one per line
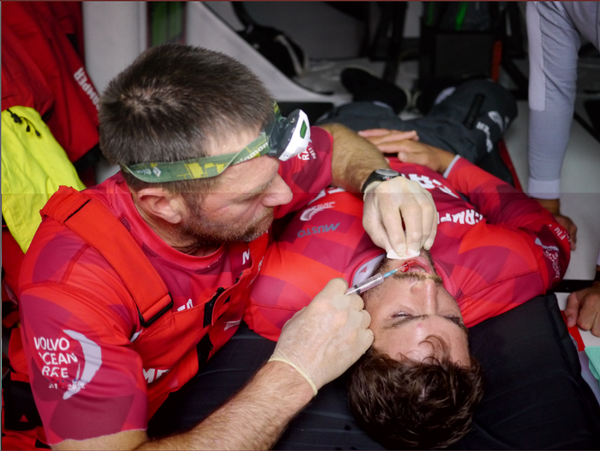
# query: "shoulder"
[62,268]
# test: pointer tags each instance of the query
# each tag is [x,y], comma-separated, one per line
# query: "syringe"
[371,282]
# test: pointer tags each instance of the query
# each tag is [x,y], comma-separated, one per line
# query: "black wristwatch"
[379,175]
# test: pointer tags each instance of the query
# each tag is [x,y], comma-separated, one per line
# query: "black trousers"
[469,122]
[535,397]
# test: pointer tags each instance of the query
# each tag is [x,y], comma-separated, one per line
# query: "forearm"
[496,200]
[553,46]
[353,158]
[253,419]
[552,205]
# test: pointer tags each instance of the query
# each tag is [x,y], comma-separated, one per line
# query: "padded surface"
[535,397]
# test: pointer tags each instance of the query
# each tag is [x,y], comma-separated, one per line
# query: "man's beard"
[202,232]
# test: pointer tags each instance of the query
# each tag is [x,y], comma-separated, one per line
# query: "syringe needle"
[371,282]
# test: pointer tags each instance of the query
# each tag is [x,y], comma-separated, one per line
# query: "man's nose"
[277,194]
[427,291]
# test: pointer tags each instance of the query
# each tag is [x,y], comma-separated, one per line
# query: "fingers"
[372,132]
[355,301]
[420,227]
[377,232]
[583,309]
[382,136]
[412,215]
[396,135]
[328,336]
[366,319]
[392,217]
[572,309]
[393,203]
[589,312]
[414,152]
[366,338]
[420,218]
[337,284]
[429,223]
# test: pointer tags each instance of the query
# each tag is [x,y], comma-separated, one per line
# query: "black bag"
[273,44]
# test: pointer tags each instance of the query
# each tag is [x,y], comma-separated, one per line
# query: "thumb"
[572,309]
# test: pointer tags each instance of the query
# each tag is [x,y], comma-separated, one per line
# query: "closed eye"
[401,315]
[401,318]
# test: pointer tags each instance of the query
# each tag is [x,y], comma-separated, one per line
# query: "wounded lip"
[417,264]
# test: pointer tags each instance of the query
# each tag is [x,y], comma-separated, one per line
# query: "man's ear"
[159,203]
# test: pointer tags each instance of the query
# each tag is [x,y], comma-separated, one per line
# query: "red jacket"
[45,51]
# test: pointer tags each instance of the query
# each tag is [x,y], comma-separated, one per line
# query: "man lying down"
[495,249]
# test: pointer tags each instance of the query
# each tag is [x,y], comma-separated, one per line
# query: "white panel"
[580,184]
[225,11]
[114,34]
[412,27]
[205,29]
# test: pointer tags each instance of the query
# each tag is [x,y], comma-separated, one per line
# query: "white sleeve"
[553,45]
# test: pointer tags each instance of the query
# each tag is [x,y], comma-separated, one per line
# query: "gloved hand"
[388,204]
[325,338]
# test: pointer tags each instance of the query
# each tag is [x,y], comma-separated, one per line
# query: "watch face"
[387,172]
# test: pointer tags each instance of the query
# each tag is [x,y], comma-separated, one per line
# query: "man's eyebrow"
[459,322]
[402,276]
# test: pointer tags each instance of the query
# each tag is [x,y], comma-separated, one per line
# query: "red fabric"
[21,440]
[81,214]
[69,16]
[23,84]
[74,119]
[494,252]
[94,369]
[575,334]
[12,259]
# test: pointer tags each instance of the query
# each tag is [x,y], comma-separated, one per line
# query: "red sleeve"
[309,172]
[86,378]
[529,225]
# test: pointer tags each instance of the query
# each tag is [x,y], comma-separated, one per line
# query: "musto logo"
[61,361]
[318,229]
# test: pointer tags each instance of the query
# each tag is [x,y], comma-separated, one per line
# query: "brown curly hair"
[412,404]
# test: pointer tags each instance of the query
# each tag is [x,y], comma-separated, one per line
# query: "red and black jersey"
[94,369]
[495,248]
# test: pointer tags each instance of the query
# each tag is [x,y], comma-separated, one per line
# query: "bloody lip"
[417,261]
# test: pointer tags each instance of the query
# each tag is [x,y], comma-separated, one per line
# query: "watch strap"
[376,176]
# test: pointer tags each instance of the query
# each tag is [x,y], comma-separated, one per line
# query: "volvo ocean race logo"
[58,355]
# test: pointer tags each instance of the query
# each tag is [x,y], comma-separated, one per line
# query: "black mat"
[535,397]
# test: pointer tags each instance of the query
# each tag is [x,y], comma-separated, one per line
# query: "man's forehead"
[230,142]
